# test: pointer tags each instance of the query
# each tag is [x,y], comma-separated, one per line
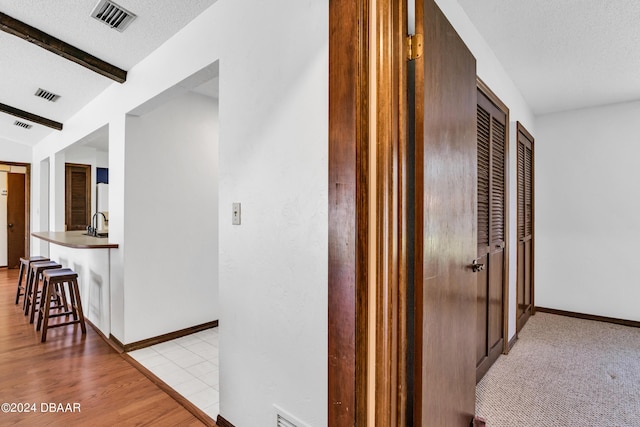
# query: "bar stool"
[32,285]
[51,279]
[25,263]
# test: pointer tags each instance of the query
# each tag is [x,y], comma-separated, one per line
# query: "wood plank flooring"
[73,369]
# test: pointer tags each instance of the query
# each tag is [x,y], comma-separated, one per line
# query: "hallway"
[73,369]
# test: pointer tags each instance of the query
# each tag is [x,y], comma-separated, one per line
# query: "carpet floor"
[564,371]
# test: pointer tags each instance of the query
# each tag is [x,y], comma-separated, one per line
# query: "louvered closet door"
[491,233]
[525,227]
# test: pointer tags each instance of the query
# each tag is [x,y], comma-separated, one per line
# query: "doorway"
[14,212]
[526,203]
[77,196]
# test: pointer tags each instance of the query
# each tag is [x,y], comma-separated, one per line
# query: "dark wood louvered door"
[77,196]
[445,223]
[525,227]
[492,128]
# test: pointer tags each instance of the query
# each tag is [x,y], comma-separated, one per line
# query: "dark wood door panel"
[446,225]
[496,303]
[481,312]
[16,218]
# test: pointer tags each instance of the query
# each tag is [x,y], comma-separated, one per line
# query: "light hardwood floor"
[72,369]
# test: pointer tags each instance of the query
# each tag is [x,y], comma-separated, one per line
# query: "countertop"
[74,239]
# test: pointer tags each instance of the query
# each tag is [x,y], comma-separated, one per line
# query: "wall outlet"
[236,214]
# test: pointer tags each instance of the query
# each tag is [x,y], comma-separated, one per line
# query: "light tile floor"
[189,365]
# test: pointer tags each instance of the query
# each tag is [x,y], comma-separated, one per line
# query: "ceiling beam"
[30,117]
[57,46]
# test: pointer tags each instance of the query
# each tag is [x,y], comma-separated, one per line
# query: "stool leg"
[41,308]
[27,290]
[78,305]
[45,303]
[20,274]
[34,293]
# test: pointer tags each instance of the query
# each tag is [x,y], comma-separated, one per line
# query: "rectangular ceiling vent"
[22,124]
[113,15]
[45,94]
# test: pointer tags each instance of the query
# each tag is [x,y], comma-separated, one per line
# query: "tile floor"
[189,365]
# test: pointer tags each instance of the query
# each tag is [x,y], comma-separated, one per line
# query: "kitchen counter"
[75,239]
[90,257]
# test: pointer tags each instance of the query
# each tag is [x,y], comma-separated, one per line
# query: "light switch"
[236,214]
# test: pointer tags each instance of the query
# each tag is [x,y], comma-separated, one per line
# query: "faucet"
[93,228]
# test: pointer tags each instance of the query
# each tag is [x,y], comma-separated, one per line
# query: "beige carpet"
[565,372]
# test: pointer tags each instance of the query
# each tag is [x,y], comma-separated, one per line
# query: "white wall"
[171,222]
[587,204]
[490,70]
[14,152]
[273,159]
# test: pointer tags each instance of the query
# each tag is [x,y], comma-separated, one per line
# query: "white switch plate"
[235,220]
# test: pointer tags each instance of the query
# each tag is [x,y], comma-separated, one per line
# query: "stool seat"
[33,280]
[25,262]
[54,281]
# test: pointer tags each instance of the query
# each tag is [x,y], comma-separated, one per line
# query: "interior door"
[16,214]
[77,196]
[445,285]
[525,227]
[491,140]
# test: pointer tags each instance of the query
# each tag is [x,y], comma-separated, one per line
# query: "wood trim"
[348,213]
[165,337]
[511,343]
[30,116]
[197,412]
[57,46]
[116,344]
[521,129]
[482,86]
[222,422]
[624,322]
[108,340]
[391,212]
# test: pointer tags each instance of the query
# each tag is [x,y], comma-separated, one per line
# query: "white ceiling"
[560,54]
[567,54]
[25,67]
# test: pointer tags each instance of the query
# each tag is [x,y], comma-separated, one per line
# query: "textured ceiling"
[25,67]
[566,54]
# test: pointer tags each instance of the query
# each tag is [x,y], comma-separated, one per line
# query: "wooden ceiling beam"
[57,46]
[30,117]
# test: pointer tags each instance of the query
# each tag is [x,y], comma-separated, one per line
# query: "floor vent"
[113,15]
[45,94]
[283,419]
[22,124]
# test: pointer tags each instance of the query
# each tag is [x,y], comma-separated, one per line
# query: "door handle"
[10,225]
[476,266]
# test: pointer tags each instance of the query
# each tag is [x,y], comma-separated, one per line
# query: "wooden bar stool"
[57,279]
[33,284]
[25,263]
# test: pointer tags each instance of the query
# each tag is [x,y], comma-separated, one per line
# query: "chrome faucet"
[93,228]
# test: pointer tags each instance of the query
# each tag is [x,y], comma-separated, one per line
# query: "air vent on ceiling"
[22,124]
[45,94]
[113,15]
